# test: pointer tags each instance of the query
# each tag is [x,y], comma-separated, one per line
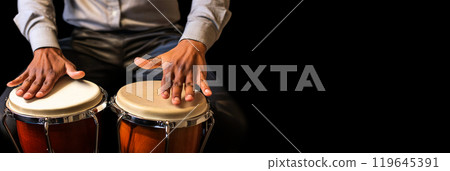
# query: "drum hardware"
[167,129]
[118,130]
[207,131]
[97,130]
[8,113]
[47,136]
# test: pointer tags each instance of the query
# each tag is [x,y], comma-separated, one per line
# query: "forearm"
[36,21]
[207,20]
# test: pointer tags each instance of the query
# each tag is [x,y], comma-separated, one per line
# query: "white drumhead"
[68,97]
[142,100]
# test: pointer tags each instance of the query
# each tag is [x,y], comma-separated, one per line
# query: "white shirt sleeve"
[36,21]
[207,20]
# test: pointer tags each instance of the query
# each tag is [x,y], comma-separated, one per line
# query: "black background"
[381,63]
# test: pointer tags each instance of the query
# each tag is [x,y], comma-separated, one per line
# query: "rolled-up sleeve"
[36,21]
[206,20]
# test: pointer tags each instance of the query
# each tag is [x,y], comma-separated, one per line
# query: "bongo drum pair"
[66,120]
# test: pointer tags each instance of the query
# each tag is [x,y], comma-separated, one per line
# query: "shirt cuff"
[202,31]
[43,37]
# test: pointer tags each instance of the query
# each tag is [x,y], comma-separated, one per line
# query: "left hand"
[177,67]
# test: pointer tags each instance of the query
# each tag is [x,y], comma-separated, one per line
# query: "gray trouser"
[104,56]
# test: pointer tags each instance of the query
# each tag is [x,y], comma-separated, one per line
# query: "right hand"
[47,66]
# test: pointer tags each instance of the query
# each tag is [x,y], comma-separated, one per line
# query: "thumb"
[148,64]
[73,73]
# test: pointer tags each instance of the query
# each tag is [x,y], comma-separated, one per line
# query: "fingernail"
[40,94]
[19,92]
[165,95]
[207,91]
[27,95]
[176,100]
[189,96]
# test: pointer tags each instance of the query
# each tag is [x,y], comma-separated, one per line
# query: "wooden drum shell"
[143,139]
[74,137]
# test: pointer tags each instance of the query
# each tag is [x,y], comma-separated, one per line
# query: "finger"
[204,86]
[189,88]
[166,83]
[47,85]
[165,92]
[148,64]
[25,85]
[177,87]
[72,71]
[18,80]
[35,86]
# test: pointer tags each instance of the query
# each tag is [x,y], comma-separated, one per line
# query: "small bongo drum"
[65,120]
[149,123]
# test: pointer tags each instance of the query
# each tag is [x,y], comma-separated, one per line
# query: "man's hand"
[47,66]
[177,67]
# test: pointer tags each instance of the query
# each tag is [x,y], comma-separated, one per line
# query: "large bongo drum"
[65,120]
[149,123]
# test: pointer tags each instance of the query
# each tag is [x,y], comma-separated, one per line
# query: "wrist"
[193,44]
[47,50]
